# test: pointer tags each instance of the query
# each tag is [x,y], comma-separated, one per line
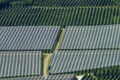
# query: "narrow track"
[47,59]
[46,64]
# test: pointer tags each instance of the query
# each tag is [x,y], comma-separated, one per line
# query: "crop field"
[60,39]
[57,3]
[52,16]
[91,37]
[69,3]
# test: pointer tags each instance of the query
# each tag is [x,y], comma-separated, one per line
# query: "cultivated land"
[60,16]
[64,13]
[48,56]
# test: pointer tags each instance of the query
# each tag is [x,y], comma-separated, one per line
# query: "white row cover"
[75,61]
[91,37]
[20,63]
[29,38]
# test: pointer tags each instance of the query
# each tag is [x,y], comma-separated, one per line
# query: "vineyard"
[29,38]
[106,77]
[91,37]
[60,39]
[76,3]
[19,63]
[57,3]
[86,61]
[51,77]
[52,16]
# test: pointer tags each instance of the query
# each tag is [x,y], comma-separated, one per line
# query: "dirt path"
[47,59]
[80,77]
[46,64]
[60,40]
